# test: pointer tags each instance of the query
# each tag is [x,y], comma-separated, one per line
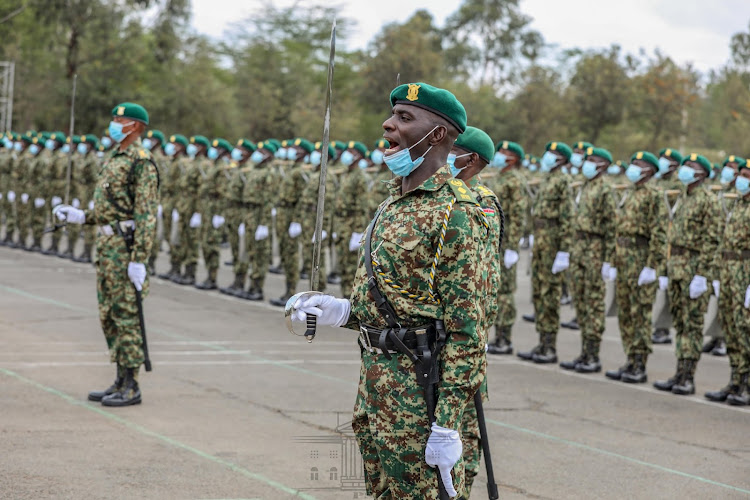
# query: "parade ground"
[238,408]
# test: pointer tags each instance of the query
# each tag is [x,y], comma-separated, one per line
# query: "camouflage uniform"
[21,162]
[5,172]
[9,175]
[211,203]
[352,209]
[161,164]
[307,211]
[170,184]
[292,185]
[187,204]
[37,191]
[235,215]
[257,197]
[390,418]
[57,184]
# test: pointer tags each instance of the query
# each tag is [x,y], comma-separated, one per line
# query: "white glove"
[66,213]
[217,221]
[698,286]
[11,196]
[273,212]
[175,215]
[56,200]
[24,198]
[295,229]
[137,274]
[443,450]
[647,276]
[510,258]
[531,240]
[747,298]
[715,284]
[335,236]
[159,211]
[323,235]
[354,242]
[241,229]
[606,271]
[91,205]
[39,202]
[1,196]
[663,283]
[76,203]
[561,263]
[195,220]
[261,233]
[612,273]
[329,310]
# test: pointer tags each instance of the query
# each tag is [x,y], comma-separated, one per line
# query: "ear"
[438,135]
[473,160]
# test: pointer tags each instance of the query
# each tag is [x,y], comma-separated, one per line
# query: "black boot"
[52,250]
[151,266]
[68,253]
[235,287]
[686,385]
[188,278]
[571,365]
[502,344]
[636,374]
[531,318]
[173,271]
[334,279]
[210,283]
[98,395]
[529,355]
[617,374]
[281,301]
[720,349]
[35,246]
[590,362]
[548,354]
[254,292]
[709,346]
[571,325]
[276,270]
[661,336]
[129,393]
[742,398]
[666,385]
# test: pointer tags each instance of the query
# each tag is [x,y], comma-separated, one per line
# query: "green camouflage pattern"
[293,180]
[210,195]
[257,197]
[187,203]
[307,210]
[352,211]
[234,214]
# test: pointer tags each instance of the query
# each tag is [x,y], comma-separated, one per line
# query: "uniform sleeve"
[144,212]
[657,252]
[515,210]
[608,214]
[713,226]
[566,217]
[459,280]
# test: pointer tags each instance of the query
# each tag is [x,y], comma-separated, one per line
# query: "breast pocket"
[407,250]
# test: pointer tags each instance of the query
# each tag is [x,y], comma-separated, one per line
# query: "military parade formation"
[423,232]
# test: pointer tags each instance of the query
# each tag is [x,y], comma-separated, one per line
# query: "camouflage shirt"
[735,237]
[595,214]
[190,185]
[509,188]
[258,192]
[493,217]
[644,215]
[697,226]
[554,202]
[352,204]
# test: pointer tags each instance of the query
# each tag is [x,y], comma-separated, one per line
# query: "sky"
[694,31]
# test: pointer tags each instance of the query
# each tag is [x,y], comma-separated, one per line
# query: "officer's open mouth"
[394,146]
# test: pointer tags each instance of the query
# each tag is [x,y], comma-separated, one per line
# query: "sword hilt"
[312,324]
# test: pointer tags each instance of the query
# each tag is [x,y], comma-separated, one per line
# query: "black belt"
[588,235]
[633,242]
[729,255]
[380,340]
[680,250]
[540,223]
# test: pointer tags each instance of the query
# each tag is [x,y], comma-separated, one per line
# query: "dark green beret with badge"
[75,139]
[179,139]
[382,144]
[132,111]
[156,134]
[561,148]
[268,146]
[305,144]
[27,138]
[331,149]
[439,101]
[582,145]
[200,140]
[513,147]
[357,146]
[91,139]
[222,143]
[741,162]
[700,160]
[58,137]
[647,157]
[672,154]
[600,152]
[476,141]
[275,142]
[244,143]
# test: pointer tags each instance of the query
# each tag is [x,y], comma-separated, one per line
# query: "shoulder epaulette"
[461,191]
[484,191]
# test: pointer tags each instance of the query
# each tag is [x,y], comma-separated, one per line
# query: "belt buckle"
[364,339]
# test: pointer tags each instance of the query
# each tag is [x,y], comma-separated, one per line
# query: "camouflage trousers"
[634,302]
[37,221]
[687,313]
[23,210]
[735,319]
[347,262]
[471,440]
[56,235]
[506,302]
[210,241]
[234,217]
[308,231]
[288,246]
[186,249]
[11,220]
[391,426]
[118,313]
[588,288]
[258,251]
[546,286]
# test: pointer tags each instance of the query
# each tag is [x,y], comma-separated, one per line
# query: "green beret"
[306,145]
[131,110]
[91,139]
[58,136]
[43,136]
[244,143]
[341,146]
[358,146]
[513,147]
[275,142]
[582,145]
[741,162]
[222,143]
[671,153]
[200,139]
[476,141]
[27,138]
[700,160]
[331,149]
[156,134]
[561,148]
[268,146]
[438,101]
[647,157]
[31,133]
[381,143]
[600,152]
[73,139]
[179,139]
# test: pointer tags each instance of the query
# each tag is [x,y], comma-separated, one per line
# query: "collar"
[438,180]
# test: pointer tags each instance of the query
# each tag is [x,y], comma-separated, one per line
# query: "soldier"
[19,197]
[509,187]
[154,142]
[86,167]
[593,254]
[35,191]
[9,177]
[379,188]
[552,212]
[352,210]
[424,124]
[176,151]
[6,163]
[56,184]
[125,204]
[693,243]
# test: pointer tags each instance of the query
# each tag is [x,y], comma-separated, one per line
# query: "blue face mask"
[213,153]
[291,154]
[82,149]
[65,149]
[548,161]
[727,175]
[452,163]
[589,169]
[499,160]
[18,147]
[148,144]
[106,142]
[686,175]
[574,170]
[525,163]
[363,164]
[49,144]
[401,164]
[315,158]
[280,154]
[7,143]
[663,165]
[115,131]
[613,170]
[347,158]
[34,149]
[256,157]
[192,150]
[565,170]
[742,184]
[533,167]
[377,157]
[634,173]
[237,154]
[170,149]
[576,159]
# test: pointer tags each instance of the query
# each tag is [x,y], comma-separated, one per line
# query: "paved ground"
[238,408]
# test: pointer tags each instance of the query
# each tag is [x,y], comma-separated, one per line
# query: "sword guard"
[311,322]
